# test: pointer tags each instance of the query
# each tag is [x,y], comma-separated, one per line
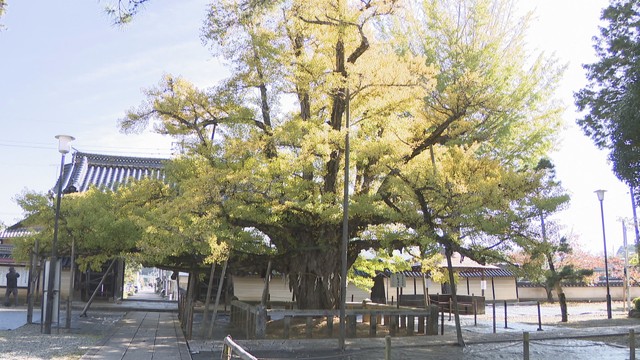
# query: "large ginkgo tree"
[446,110]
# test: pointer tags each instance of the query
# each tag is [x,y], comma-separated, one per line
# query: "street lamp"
[64,146]
[345,232]
[600,194]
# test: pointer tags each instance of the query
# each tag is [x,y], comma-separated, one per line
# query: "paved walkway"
[148,328]
[143,335]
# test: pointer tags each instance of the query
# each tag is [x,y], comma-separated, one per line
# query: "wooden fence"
[253,320]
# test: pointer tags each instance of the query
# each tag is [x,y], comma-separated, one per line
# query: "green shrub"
[636,303]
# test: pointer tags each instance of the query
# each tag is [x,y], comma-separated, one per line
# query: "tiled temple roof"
[107,171]
[488,272]
[102,171]
[16,231]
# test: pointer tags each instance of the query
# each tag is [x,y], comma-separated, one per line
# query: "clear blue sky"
[67,70]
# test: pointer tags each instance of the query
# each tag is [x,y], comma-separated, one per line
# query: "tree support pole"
[215,309]
[86,307]
[205,315]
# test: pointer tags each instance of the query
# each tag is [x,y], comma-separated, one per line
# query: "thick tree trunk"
[314,277]
[563,303]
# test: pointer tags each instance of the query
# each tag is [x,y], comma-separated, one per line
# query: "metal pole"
[34,280]
[606,262]
[345,231]
[626,293]
[635,219]
[505,314]
[54,256]
[72,274]
[539,318]
[632,344]
[494,316]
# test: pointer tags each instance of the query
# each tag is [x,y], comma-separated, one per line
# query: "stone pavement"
[146,327]
[143,335]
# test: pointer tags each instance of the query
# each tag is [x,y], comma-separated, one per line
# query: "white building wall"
[249,288]
[505,288]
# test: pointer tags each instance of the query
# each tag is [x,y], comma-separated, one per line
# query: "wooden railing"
[231,349]
[253,320]
[467,304]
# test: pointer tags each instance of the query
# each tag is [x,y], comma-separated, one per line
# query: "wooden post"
[525,345]
[261,322]
[468,290]
[432,320]
[387,347]
[330,325]
[410,325]
[632,345]
[247,323]
[373,324]
[393,325]
[287,326]
[191,286]
[309,327]
[351,325]
[421,325]
[425,291]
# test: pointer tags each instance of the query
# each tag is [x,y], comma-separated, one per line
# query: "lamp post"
[64,146]
[345,234]
[600,194]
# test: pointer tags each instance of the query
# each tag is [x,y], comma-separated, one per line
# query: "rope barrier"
[485,348]
[345,355]
[537,342]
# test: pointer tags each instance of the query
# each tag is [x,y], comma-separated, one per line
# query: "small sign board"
[398,280]
[23,280]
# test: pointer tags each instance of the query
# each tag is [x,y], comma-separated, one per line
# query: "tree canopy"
[545,250]
[612,95]
[447,116]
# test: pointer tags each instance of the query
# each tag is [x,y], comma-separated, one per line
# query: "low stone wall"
[577,293]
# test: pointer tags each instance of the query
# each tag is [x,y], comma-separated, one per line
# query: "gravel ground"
[28,343]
